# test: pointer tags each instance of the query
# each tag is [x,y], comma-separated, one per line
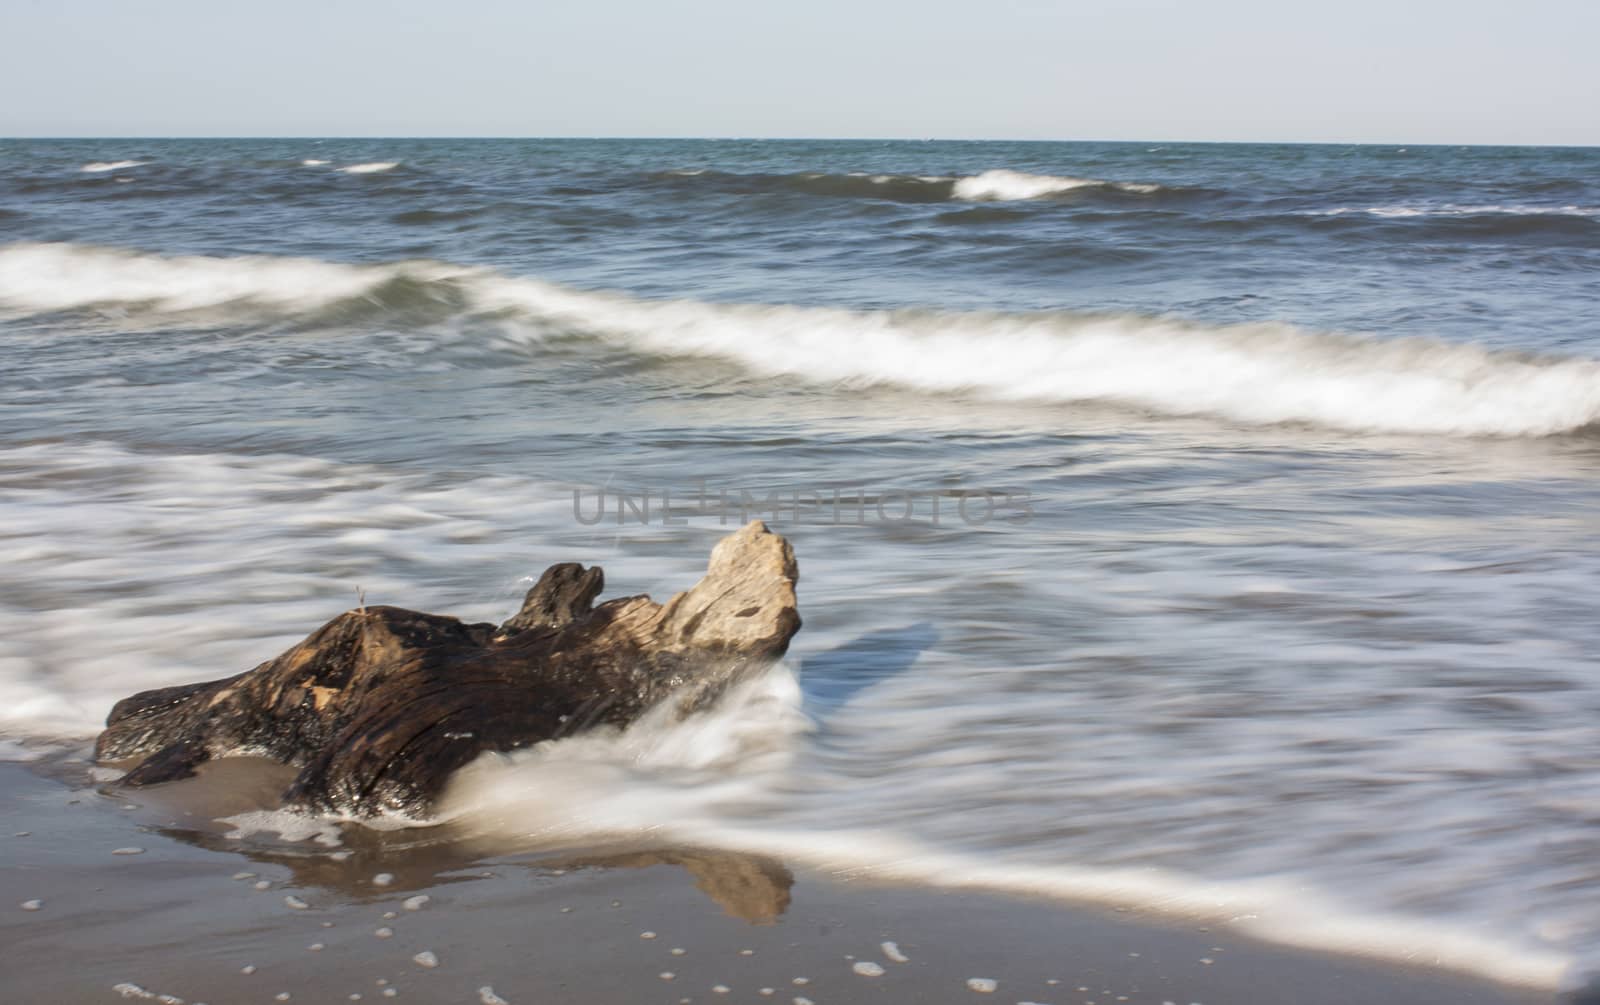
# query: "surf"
[704,781]
[1253,374]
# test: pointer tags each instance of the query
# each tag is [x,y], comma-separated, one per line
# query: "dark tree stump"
[379,706]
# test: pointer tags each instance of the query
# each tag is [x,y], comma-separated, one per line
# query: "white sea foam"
[11,750]
[295,827]
[44,277]
[889,179]
[727,754]
[1253,374]
[99,167]
[374,167]
[1002,185]
[185,552]
[671,781]
[1256,374]
[312,162]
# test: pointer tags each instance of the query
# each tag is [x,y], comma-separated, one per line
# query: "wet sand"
[184,911]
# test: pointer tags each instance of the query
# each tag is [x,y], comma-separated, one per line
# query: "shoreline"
[181,917]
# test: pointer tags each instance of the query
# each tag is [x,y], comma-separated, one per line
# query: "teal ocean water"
[1203,527]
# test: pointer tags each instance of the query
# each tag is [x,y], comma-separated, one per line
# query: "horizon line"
[790,139]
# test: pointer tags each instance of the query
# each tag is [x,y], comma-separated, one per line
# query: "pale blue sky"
[1405,71]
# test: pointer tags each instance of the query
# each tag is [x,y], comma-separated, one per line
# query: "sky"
[1397,71]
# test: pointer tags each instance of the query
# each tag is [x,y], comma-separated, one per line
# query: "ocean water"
[1205,528]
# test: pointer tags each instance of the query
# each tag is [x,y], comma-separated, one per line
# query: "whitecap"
[1252,374]
[1002,185]
[98,167]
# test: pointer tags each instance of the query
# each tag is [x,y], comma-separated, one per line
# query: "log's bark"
[379,706]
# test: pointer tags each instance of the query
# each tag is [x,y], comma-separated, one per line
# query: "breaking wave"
[99,167]
[375,167]
[999,185]
[727,779]
[1253,374]
[1004,186]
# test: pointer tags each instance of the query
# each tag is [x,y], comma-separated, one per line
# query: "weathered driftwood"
[379,706]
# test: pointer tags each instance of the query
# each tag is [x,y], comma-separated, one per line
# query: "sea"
[1205,529]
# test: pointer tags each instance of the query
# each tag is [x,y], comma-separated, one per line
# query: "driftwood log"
[379,706]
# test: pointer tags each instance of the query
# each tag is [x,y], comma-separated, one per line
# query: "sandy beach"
[149,899]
